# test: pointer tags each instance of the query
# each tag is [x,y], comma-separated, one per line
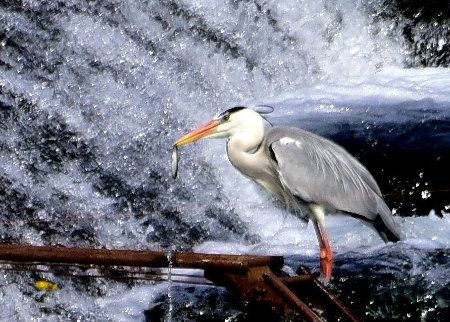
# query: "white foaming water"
[128,306]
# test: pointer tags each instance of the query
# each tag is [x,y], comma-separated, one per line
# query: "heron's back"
[316,170]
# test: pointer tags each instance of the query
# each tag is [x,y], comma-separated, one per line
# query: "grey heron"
[303,170]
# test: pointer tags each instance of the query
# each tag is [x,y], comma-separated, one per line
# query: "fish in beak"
[203,131]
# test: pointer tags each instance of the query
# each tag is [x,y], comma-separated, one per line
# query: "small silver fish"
[175,160]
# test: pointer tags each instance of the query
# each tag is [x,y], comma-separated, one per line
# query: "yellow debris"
[46,285]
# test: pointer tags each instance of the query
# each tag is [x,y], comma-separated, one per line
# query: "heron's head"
[226,124]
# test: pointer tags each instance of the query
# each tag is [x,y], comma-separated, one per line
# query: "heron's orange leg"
[326,254]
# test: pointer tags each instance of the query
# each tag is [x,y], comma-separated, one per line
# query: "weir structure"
[255,278]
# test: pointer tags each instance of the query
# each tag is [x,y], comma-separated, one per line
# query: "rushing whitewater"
[94,93]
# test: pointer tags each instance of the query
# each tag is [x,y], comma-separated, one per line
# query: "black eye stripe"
[231,110]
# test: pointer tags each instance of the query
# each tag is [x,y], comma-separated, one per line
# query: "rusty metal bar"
[284,291]
[230,262]
[256,278]
[296,279]
[330,296]
[27,253]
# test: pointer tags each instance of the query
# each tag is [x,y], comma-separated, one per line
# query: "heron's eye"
[226,117]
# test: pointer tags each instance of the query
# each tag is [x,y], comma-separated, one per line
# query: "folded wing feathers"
[325,162]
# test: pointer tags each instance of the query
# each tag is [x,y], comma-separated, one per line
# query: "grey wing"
[319,171]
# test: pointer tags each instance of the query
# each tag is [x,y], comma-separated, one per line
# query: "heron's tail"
[384,223]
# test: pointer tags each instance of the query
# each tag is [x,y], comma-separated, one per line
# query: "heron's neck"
[241,148]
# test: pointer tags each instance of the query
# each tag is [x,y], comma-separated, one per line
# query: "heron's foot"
[326,262]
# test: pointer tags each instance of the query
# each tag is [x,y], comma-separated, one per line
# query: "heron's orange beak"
[198,133]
